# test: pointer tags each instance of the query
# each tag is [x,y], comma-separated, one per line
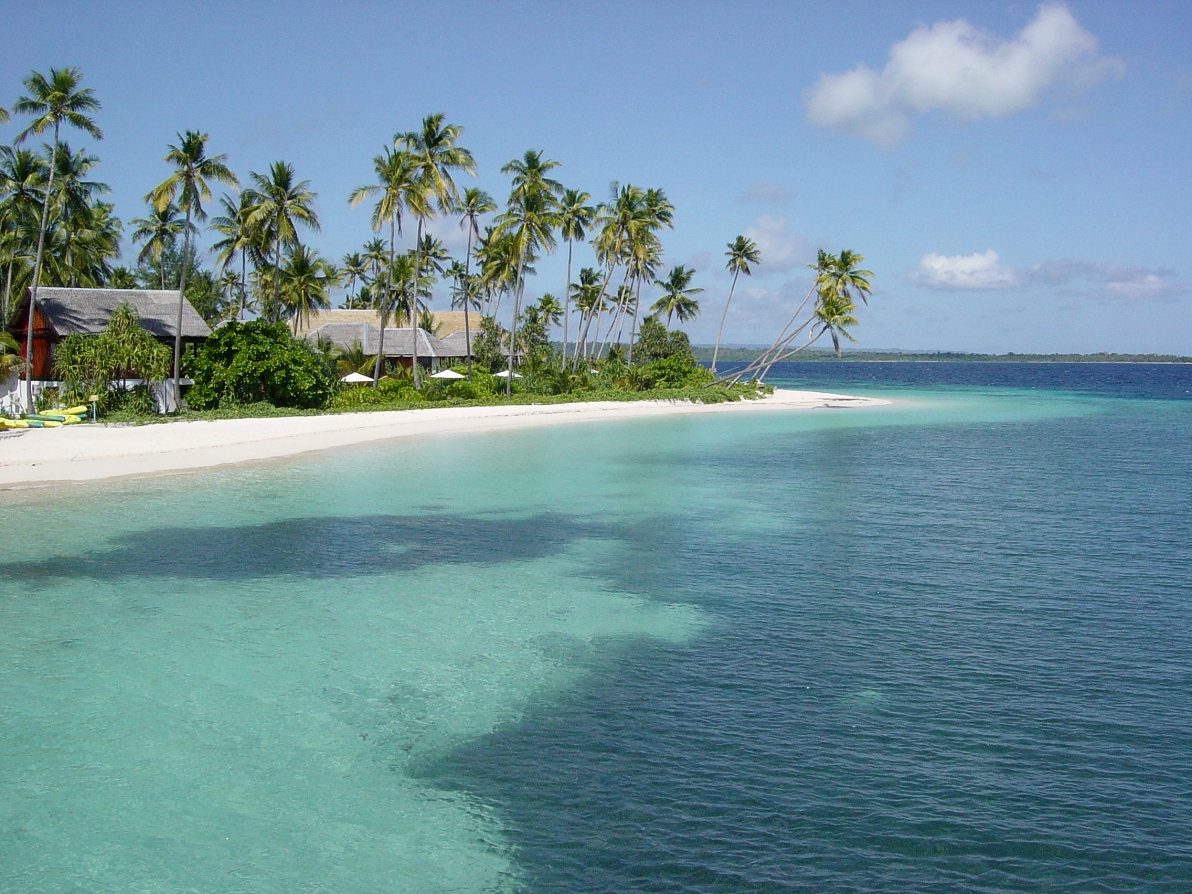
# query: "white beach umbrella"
[355,378]
[448,374]
[504,374]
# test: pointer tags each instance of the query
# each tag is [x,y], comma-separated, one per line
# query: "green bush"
[245,363]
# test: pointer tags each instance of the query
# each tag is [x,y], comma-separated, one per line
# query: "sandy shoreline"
[92,452]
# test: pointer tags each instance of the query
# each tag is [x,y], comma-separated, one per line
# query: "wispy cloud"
[766,192]
[780,247]
[955,68]
[983,271]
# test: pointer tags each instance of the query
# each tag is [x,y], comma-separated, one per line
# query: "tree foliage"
[244,363]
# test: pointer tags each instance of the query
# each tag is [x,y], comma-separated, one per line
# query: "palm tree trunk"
[243,282]
[517,293]
[181,302]
[637,303]
[567,303]
[720,328]
[414,308]
[276,314]
[467,301]
[41,237]
[7,294]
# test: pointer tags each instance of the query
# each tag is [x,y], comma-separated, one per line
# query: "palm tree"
[575,218]
[588,294]
[22,181]
[188,186]
[741,254]
[353,266]
[472,205]
[394,187]
[530,218]
[833,313]
[306,283]
[282,204]
[52,102]
[239,236]
[435,156]
[159,231]
[677,296]
[843,277]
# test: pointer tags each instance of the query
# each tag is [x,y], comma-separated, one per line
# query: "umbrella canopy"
[448,374]
[504,374]
[353,378]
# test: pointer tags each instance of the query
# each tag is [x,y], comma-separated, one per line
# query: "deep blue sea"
[943,645]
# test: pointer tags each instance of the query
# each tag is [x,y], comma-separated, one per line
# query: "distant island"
[703,353]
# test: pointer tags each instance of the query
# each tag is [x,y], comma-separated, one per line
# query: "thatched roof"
[446,321]
[87,311]
[398,342]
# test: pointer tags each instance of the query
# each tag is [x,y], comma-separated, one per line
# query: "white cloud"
[780,248]
[766,191]
[980,270]
[983,271]
[953,67]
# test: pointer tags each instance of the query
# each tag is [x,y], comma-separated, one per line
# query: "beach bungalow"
[61,312]
[433,353]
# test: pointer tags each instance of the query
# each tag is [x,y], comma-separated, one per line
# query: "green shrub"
[245,363]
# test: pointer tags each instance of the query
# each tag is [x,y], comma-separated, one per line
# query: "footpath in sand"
[92,452]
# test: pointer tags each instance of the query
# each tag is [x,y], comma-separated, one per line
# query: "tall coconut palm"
[53,101]
[239,237]
[396,184]
[436,156]
[575,219]
[159,232]
[529,219]
[741,254]
[678,296]
[283,203]
[188,187]
[472,204]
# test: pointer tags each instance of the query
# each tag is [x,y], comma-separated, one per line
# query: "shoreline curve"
[97,452]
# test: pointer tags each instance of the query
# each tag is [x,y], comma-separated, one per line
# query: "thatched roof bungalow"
[61,312]
[399,343]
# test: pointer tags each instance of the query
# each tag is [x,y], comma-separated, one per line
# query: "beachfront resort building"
[348,328]
[61,312]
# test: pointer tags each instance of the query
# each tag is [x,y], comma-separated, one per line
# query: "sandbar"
[94,452]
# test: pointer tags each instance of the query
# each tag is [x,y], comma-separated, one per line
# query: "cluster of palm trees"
[55,229]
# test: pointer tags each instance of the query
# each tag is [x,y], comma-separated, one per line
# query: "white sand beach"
[92,452]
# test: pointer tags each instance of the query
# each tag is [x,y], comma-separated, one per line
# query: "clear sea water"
[942,646]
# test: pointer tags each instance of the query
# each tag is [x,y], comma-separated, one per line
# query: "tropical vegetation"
[251,270]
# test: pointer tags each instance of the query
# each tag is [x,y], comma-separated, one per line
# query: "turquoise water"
[940,646]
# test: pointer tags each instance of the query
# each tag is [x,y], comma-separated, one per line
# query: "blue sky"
[1017,176]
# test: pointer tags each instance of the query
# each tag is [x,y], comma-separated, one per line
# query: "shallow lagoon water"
[940,646]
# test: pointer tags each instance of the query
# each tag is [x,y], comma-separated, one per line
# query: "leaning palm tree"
[575,219]
[741,254]
[282,204]
[395,184]
[435,157]
[188,187]
[53,101]
[677,296]
[159,232]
